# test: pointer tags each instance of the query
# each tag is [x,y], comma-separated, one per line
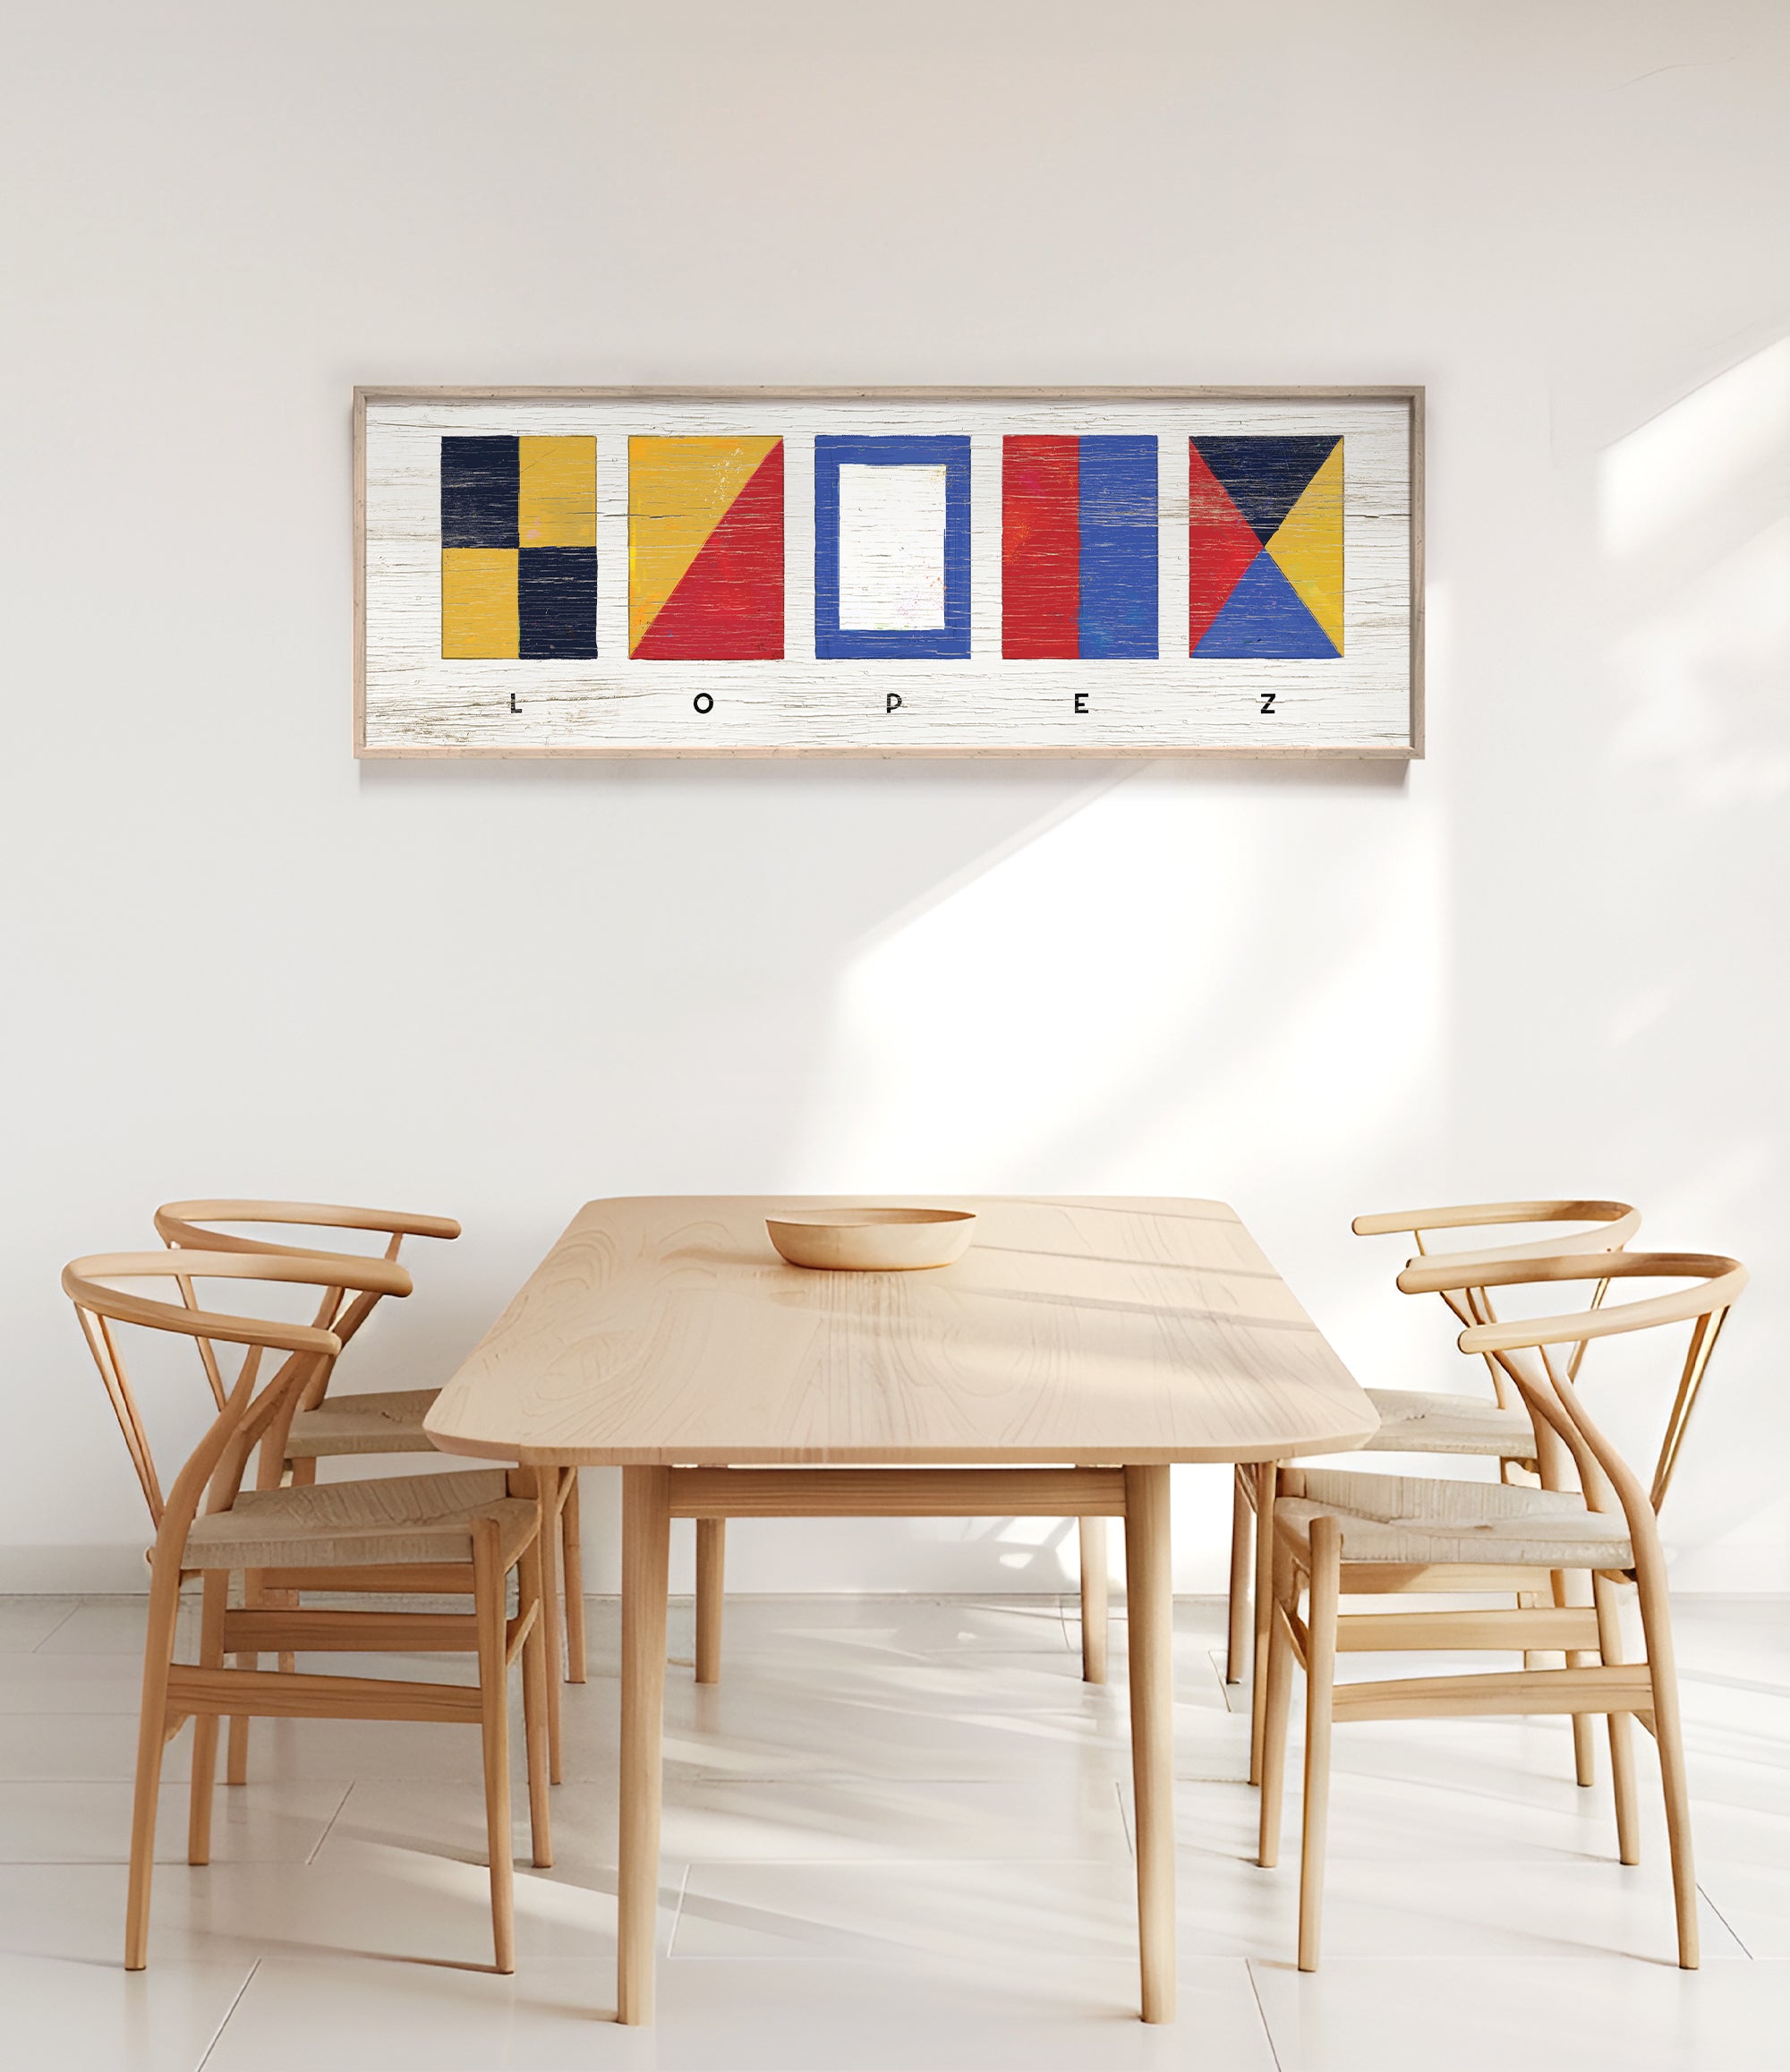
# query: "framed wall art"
[1144,572]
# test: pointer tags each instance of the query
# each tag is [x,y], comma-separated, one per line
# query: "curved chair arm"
[183,1223]
[1610,1237]
[88,1282]
[1613,1222]
[1719,1280]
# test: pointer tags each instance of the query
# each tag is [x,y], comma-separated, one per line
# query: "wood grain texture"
[1075,1330]
[1380,1633]
[719,1493]
[410,702]
[339,1633]
[1599,1689]
[275,1694]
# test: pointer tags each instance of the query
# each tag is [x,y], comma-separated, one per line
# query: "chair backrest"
[1527,1349]
[186,1225]
[1608,1225]
[107,1291]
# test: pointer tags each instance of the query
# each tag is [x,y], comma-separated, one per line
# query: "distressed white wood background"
[414,703]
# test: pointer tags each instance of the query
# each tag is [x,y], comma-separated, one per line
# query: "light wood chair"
[458,1534]
[327,1424]
[1340,1533]
[1417,1421]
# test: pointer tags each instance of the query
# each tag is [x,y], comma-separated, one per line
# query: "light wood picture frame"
[887,572]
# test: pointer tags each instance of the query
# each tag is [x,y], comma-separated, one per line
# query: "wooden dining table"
[1077,1351]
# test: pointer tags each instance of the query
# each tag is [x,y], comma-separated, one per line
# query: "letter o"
[703,702]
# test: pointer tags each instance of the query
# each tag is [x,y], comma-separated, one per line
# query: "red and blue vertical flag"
[1078,548]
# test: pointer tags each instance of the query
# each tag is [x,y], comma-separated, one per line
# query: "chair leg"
[151,1739]
[1584,1748]
[1237,1630]
[711,1596]
[1622,1743]
[1091,1532]
[301,1474]
[1585,1751]
[217,1598]
[1320,1681]
[1656,1626]
[236,1756]
[488,1605]
[1265,1473]
[571,1573]
[1273,1672]
[290,1600]
[534,1675]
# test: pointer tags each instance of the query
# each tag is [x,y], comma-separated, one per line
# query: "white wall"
[1550,958]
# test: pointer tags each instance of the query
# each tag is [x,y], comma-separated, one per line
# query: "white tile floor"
[896,1836]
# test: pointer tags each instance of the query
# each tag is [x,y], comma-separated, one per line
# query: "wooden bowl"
[872,1241]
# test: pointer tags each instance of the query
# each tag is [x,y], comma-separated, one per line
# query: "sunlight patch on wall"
[1693,511]
[1701,674]
[1692,514]
[1219,981]
[1695,455]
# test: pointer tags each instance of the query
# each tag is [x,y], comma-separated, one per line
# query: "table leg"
[547,1482]
[1150,1628]
[645,1559]
[1094,1615]
[711,1596]
[1267,1481]
[1237,1627]
[572,1580]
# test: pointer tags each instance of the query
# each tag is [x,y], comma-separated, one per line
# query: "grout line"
[58,1626]
[329,1826]
[217,2033]
[1213,1658]
[1726,1923]
[1242,1708]
[1267,2034]
[678,1912]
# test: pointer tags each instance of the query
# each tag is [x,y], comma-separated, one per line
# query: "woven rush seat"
[1401,1519]
[389,1422]
[1414,1422]
[401,1518]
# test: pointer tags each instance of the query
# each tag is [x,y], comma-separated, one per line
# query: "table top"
[666,1331]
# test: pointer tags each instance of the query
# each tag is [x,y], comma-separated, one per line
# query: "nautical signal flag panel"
[1128,572]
